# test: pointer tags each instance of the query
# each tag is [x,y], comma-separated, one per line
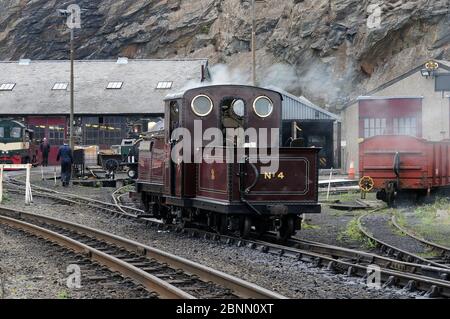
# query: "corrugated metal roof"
[300,108]
[33,92]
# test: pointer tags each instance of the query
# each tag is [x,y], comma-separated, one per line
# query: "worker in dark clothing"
[66,158]
[45,150]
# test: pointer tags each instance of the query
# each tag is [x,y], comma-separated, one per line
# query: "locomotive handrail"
[242,192]
[255,169]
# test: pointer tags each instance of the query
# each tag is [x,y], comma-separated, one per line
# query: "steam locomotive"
[224,181]
[16,143]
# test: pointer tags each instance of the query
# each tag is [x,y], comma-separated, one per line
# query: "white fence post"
[329,184]
[28,193]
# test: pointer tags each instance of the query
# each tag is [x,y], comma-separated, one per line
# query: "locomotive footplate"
[236,208]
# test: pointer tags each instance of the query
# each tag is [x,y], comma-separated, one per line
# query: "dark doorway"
[315,133]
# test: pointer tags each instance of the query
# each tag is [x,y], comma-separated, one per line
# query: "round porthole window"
[202,105]
[263,106]
[238,107]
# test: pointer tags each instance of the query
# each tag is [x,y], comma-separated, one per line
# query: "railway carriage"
[404,167]
[16,143]
[229,196]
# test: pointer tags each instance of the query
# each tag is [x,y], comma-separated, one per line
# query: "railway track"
[442,251]
[165,274]
[397,269]
[15,185]
[398,253]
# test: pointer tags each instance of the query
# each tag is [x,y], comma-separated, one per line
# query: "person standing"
[66,158]
[45,150]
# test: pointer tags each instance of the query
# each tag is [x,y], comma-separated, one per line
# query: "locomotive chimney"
[203,73]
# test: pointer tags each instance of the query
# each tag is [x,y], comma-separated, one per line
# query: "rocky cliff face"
[324,49]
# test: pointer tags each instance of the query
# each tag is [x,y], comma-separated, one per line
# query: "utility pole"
[253,43]
[72,90]
[73,15]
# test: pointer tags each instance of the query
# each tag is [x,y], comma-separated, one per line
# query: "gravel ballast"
[31,268]
[379,225]
[291,278]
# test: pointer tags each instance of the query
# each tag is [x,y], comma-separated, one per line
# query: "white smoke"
[320,83]
[323,84]
[223,74]
[282,76]
[278,75]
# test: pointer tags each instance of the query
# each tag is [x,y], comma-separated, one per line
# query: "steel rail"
[392,250]
[239,287]
[443,250]
[150,282]
[88,201]
[367,258]
[322,255]
[433,287]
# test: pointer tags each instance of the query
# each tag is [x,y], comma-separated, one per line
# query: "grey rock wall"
[324,48]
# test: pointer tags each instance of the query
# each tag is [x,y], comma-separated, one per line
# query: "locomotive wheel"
[286,229]
[145,203]
[222,224]
[168,220]
[390,195]
[261,228]
[246,227]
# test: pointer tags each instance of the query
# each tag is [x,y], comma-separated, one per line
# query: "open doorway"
[314,133]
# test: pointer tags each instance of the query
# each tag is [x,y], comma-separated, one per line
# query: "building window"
[114,85]
[405,126]
[374,127]
[60,86]
[7,86]
[107,130]
[56,134]
[164,85]
[38,132]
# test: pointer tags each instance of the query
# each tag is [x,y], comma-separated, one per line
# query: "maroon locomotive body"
[230,187]
[405,165]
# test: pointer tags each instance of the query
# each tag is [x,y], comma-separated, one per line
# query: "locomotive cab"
[212,164]
[16,143]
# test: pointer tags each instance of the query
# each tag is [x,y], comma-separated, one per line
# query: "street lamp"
[73,14]
[430,69]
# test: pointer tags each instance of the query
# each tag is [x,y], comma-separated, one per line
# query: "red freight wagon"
[404,165]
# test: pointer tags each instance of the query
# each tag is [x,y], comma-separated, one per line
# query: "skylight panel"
[164,85]
[7,86]
[114,85]
[60,86]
